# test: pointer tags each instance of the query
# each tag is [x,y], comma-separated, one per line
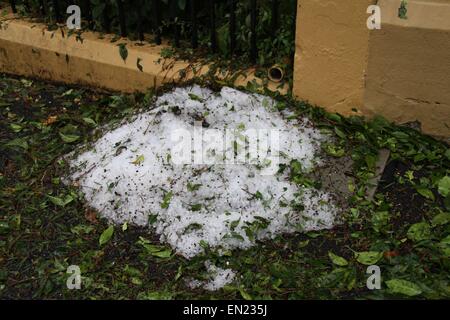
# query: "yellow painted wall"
[331,53]
[408,74]
[29,49]
[401,71]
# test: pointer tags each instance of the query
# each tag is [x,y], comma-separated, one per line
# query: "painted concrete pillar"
[332,43]
[408,73]
[401,71]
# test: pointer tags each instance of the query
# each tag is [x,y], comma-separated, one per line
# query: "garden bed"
[47,226]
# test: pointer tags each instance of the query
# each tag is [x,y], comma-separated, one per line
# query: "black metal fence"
[173,14]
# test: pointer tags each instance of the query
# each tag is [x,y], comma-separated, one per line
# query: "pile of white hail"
[128,174]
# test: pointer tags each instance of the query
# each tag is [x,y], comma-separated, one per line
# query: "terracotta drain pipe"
[275,73]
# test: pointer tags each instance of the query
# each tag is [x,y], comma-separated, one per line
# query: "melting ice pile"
[129,174]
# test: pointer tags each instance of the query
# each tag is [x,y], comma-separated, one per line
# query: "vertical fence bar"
[212,14]
[26,4]
[122,21]
[176,29]
[232,27]
[140,29]
[89,14]
[194,38]
[106,23]
[156,9]
[56,9]
[294,30]
[13,6]
[253,47]
[87,5]
[42,7]
[274,21]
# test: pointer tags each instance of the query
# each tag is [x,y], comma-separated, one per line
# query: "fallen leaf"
[419,231]
[368,257]
[61,201]
[391,254]
[106,235]
[139,65]
[138,160]
[404,287]
[69,138]
[337,260]
[444,186]
[50,120]
[91,216]
[123,51]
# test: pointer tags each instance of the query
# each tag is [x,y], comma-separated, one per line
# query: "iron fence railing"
[146,24]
